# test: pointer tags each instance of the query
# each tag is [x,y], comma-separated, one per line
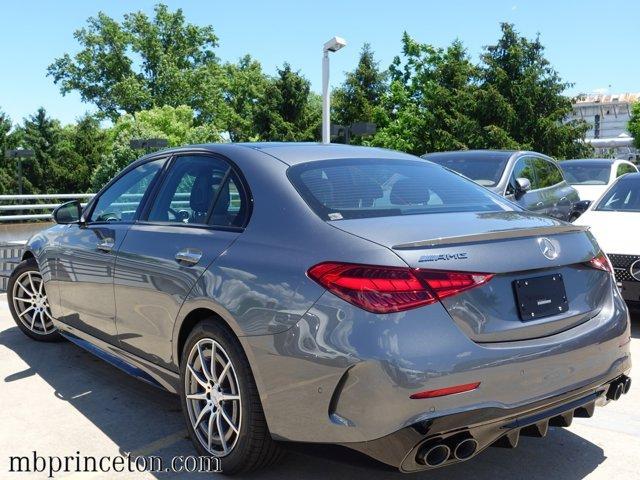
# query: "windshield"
[623,196]
[586,174]
[362,188]
[485,169]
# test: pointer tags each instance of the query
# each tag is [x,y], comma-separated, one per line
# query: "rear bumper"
[482,428]
[342,375]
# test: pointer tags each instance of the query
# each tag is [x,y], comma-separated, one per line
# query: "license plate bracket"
[540,297]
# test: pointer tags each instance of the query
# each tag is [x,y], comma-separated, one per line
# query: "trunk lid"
[506,244]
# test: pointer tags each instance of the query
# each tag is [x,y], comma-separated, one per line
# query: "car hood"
[611,230]
[590,192]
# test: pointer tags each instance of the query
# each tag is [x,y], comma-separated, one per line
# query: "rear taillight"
[391,289]
[601,262]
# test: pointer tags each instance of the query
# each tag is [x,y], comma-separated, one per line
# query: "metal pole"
[326,127]
[19,176]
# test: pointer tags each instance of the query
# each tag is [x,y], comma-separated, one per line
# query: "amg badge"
[443,256]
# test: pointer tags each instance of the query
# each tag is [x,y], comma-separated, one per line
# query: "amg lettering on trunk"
[443,256]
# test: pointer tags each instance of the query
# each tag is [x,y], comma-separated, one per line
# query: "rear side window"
[625,168]
[342,189]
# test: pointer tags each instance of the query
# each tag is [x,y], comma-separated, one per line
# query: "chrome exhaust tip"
[465,449]
[626,385]
[615,391]
[434,456]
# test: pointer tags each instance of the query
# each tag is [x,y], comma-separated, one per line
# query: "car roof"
[479,154]
[293,153]
[591,161]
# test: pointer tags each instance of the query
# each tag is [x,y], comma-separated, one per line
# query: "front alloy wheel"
[29,303]
[213,397]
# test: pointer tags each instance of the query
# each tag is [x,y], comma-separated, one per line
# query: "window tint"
[231,208]
[189,190]
[625,168]
[120,202]
[582,173]
[523,168]
[485,169]
[623,196]
[547,173]
[370,188]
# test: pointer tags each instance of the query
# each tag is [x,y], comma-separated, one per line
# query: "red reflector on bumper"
[441,392]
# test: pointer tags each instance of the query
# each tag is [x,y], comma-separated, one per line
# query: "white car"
[591,176]
[615,222]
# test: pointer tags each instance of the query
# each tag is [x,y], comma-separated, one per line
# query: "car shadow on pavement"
[142,419]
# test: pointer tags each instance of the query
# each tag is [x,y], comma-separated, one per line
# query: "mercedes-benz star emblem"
[634,270]
[548,248]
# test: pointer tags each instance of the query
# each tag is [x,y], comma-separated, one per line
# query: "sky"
[591,43]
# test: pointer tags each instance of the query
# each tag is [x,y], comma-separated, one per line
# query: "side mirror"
[581,206]
[523,185]
[69,212]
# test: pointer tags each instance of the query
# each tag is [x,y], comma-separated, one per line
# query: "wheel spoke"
[230,398]
[26,311]
[213,362]
[44,326]
[24,300]
[197,396]
[228,420]
[223,440]
[203,363]
[224,372]
[202,382]
[33,288]
[24,289]
[210,429]
[203,412]
[41,287]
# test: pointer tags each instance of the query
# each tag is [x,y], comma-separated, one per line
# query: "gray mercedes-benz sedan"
[332,294]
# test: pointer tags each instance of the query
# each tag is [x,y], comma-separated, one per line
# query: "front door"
[198,211]
[524,168]
[87,253]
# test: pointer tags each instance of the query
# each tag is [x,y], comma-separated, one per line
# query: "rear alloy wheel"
[220,401]
[213,398]
[29,304]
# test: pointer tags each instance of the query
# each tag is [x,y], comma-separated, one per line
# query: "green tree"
[522,97]
[176,125]
[634,124]
[431,100]
[359,97]
[288,111]
[142,63]
[8,141]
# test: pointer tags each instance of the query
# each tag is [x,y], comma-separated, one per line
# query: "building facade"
[608,116]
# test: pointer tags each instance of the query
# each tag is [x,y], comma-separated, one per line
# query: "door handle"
[106,244]
[190,256]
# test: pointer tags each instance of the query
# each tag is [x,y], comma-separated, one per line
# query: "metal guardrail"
[21,207]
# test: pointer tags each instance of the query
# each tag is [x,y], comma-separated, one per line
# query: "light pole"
[19,153]
[333,45]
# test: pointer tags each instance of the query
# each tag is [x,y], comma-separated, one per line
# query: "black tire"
[254,448]
[28,265]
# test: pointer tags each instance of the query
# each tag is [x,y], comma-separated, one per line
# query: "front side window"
[547,173]
[624,196]
[625,168]
[523,168]
[363,188]
[121,200]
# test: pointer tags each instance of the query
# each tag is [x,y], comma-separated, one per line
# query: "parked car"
[591,176]
[530,179]
[612,218]
[333,294]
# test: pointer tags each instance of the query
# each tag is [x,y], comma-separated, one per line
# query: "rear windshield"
[586,174]
[624,196]
[362,188]
[485,169]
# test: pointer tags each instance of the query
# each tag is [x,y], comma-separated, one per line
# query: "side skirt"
[127,362]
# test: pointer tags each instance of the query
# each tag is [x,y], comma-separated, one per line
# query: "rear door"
[557,197]
[197,211]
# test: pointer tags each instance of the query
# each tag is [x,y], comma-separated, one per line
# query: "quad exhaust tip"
[434,456]
[619,387]
[465,449]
